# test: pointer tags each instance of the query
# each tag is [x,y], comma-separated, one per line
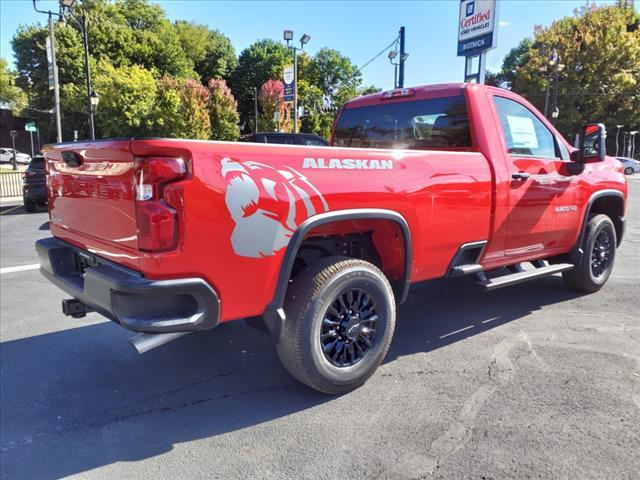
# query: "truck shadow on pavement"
[79,399]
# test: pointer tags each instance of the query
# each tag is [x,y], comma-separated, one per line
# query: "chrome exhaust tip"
[143,342]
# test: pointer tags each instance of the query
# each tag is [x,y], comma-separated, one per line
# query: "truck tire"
[599,246]
[29,206]
[340,318]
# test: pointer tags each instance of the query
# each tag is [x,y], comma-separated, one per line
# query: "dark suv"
[286,138]
[34,190]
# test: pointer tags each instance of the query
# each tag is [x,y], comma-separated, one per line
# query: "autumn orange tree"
[271,99]
[223,111]
[599,47]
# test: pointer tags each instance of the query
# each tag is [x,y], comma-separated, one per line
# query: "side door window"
[524,133]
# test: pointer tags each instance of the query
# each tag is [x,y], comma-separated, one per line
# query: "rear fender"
[274,316]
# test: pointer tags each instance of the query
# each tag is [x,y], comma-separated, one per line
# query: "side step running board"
[519,277]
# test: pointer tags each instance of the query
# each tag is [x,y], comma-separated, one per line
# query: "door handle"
[520,175]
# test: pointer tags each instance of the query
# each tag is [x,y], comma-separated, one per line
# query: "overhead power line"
[395,41]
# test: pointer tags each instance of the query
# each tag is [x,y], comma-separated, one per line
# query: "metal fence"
[11,184]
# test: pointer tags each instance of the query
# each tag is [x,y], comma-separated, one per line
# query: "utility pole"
[402,60]
[56,85]
[54,68]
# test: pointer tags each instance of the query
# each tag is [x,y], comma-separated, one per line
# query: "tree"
[600,48]
[121,33]
[181,110]
[368,90]
[271,99]
[261,61]
[223,111]
[316,119]
[11,96]
[515,60]
[128,98]
[335,75]
[210,52]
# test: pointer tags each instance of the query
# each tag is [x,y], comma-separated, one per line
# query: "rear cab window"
[36,163]
[418,124]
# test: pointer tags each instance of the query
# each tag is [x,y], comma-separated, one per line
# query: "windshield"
[421,124]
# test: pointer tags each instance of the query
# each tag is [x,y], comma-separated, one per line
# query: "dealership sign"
[477,27]
[289,83]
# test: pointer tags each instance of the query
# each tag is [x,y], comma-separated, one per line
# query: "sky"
[358,29]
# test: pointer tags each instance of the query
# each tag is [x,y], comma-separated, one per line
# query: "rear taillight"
[157,220]
[26,175]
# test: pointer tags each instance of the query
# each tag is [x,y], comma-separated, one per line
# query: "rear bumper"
[125,296]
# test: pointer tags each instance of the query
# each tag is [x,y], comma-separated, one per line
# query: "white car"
[6,156]
[630,165]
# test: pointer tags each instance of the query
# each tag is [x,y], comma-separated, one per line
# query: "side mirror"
[592,144]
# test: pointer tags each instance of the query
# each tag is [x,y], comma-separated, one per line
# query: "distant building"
[10,122]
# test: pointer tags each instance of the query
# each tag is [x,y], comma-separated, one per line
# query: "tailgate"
[91,197]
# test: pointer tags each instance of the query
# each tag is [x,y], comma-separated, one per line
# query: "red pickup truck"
[318,244]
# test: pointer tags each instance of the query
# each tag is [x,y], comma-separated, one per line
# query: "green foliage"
[223,111]
[127,101]
[11,95]
[209,51]
[315,119]
[261,61]
[154,77]
[181,110]
[368,90]
[600,48]
[335,75]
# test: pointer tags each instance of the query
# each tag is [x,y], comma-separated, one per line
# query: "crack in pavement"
[500,372]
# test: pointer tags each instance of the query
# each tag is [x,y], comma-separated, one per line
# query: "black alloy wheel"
[349,328]
[601,254]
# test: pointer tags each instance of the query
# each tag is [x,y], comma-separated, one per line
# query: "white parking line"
[21,268]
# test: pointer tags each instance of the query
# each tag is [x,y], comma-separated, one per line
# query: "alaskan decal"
[348,163]
[267,204]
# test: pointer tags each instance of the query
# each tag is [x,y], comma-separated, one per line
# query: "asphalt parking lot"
[528,382]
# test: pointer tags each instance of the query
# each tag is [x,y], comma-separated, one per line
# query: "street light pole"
[83,25]
[90,109]
[288,36]
[295,90]
[255,105]
[392,55]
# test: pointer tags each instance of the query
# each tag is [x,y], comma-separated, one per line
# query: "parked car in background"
[286,138]
[6,156]
[630,165]
[34,191]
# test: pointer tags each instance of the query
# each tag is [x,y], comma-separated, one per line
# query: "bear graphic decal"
[267,205]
